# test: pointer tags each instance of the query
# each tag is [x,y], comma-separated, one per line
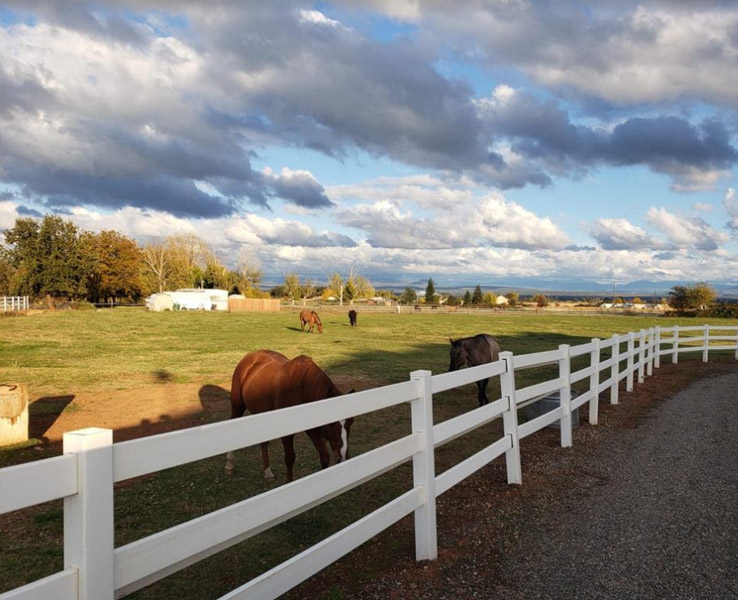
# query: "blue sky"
[471,142]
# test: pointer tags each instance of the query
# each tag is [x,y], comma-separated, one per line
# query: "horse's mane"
[315,384]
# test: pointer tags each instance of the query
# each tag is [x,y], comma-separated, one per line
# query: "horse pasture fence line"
[13,303]
[85,474]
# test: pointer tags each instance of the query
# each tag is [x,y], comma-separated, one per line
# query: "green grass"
[62,354]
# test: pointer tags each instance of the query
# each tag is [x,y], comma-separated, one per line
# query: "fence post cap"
[421,374]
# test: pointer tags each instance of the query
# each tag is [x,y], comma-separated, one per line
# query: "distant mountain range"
[535,285]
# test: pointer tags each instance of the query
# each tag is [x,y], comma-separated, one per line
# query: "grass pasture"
[124,355]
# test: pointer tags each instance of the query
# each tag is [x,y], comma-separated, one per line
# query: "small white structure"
[191,300]
[159,302]
[501,301]
[218,298]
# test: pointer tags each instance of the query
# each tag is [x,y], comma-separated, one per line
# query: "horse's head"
[458,355]
[337,435]
[320,327]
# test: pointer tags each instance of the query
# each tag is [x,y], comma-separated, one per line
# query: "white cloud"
[684,232]
[621,234]
[489,221]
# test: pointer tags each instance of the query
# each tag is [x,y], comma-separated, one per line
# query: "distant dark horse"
[310,318]
[474,351]
[266,380]
[352,317]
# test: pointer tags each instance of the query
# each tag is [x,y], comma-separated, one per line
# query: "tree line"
[53,259]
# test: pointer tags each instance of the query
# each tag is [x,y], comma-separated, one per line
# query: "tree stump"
[13,414]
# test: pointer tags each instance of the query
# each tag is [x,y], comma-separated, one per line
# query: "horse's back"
[253,380]
[484,349]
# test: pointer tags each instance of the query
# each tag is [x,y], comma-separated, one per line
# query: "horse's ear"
[452,342]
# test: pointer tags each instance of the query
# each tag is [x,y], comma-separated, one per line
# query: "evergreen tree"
[467,298]
[477,296]
[430,292]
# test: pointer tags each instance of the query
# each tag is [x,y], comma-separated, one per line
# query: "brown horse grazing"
[266,380]
[310,318]
[352,318]
[474,351]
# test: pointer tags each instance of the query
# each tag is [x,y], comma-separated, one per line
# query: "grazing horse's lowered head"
[473,351]
[266,380]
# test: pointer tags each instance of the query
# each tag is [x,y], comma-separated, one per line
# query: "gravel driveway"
[644,508]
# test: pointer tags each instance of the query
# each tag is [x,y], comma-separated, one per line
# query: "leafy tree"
[364,289]
[692,296]
[156,265]
[292,287]
[430,292]
[115,270]
[248,272]
[48,257]
[309,288]
[453,300]
[637,300]
[349,290]
[618,301]
[408,296]
[477,295]
[336,284]
[541,300]
[490,299]
[513,298]
[467,298]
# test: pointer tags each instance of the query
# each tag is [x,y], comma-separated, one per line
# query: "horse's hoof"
[229,472]
[268,475]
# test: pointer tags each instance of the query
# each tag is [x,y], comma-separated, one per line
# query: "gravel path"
[649,511]
[663,524]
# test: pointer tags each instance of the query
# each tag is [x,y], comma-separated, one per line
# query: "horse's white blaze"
[344,439]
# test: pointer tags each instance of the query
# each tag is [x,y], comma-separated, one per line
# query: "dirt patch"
[132,413]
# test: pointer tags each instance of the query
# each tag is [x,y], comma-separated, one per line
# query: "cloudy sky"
[471,141]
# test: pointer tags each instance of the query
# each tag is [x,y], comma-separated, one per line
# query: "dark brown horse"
[266,380]
[352,317]
[310,318]
[477,350]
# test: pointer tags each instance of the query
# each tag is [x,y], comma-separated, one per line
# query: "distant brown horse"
[266,380]
[352,318]
[310,318]
[474,351]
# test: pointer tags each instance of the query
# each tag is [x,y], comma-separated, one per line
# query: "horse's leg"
[268,475]
[319,443]
[289,454]
[483,390]
[237,410]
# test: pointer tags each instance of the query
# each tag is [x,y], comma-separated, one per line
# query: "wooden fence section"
[91,464]
[13,303]
[253,305]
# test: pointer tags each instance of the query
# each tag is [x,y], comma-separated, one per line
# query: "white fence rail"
[13,303]
[84,476]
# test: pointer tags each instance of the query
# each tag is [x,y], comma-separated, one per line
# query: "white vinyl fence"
[91,464]
[13,303]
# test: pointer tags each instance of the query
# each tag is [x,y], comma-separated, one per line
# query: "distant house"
[502,301]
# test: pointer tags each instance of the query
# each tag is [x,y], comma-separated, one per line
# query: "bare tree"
[156,259]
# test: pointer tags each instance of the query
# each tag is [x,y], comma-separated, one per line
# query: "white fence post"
[565,396]
[510,420]
[706,344]
[88,515]
[615,370]
[424,470]
[641,353]
[594,381]
[657,342]
[649,352]
[675,346]
[629,367]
